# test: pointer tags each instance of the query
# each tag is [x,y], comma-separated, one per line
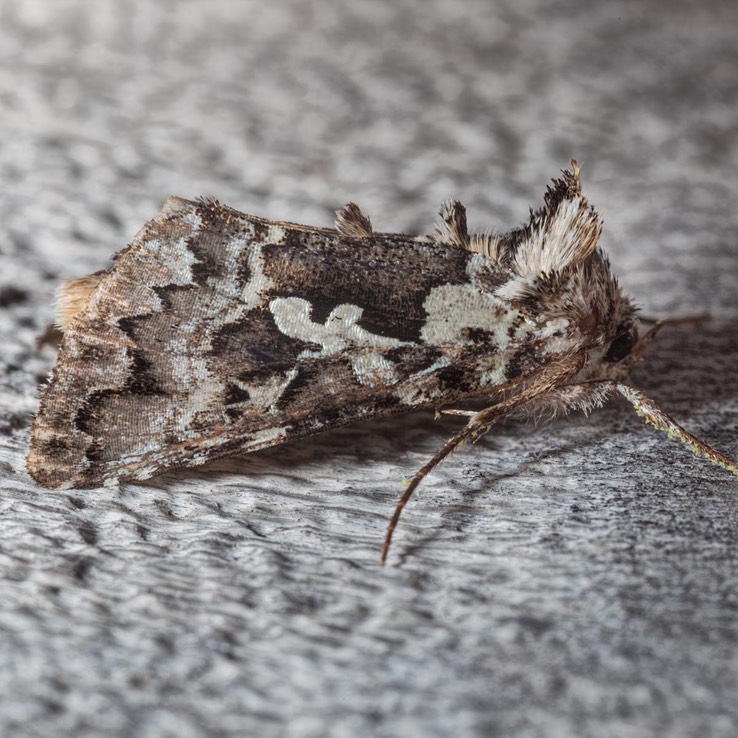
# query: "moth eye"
[620,347]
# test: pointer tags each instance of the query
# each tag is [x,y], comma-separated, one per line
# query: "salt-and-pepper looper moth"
[217,333]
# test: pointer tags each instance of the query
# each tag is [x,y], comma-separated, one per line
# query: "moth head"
[602,320]
[627,347]
[561,280]
[621,347]
[617,353]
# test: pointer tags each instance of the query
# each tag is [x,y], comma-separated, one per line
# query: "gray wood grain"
[572,579]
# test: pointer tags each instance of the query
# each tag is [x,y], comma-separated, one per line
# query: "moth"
[217,333]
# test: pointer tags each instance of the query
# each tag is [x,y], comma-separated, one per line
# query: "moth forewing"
[217,333]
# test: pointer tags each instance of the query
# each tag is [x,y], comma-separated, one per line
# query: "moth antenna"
[653,414]
[697,318]
[450,226]
[351,222]
[456,411]
[645,340]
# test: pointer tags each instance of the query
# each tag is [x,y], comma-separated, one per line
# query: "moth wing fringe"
[72,297]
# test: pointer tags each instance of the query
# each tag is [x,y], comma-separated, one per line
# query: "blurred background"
[577,578]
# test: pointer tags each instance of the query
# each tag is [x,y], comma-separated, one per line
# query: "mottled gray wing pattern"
[217,333]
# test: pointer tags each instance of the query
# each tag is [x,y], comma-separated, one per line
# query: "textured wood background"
[578,578]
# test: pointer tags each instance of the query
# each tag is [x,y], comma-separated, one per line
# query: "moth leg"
[350,221]
[653,414]
[542,384]
[588,395]
[456,411]
[478,424]
[500,390]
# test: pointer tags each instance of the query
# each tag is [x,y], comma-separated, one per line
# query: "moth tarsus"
[217,333]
